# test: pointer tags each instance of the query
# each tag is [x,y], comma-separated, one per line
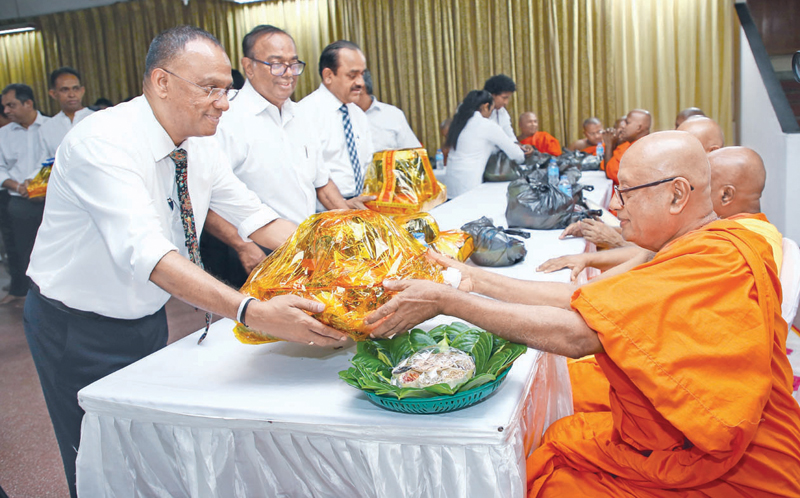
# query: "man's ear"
[52,94]
[249,68]
[728,193]
[158,82]
[680,195]
[327,75]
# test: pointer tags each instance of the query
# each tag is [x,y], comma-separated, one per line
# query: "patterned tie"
[178,156]
[351,149]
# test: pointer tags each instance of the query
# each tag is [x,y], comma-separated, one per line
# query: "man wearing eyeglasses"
[340,126]
[692,343]
[126,205]
[268,143]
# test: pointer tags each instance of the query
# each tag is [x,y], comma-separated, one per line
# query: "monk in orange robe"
[529,134]
[637,125]
[692,343]
[592,136]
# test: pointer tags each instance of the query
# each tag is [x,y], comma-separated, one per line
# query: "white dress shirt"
[321,107]
[503,119]
[54,131]
[272,152]
[389,127]
[21,151]
[467,162]
[113,210]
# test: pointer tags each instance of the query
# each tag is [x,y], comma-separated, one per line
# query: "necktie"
[178,156]
[351,149]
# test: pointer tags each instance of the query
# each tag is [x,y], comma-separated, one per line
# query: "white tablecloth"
[225,419]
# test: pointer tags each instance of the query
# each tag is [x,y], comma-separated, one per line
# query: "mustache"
[356,87]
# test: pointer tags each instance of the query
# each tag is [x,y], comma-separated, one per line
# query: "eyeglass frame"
[619,191]
[210,89]
[284,64]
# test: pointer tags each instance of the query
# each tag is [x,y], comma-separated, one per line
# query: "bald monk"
[529,134]
[592,136]
[686,114]
[706,130]
[700,382]
[637,125]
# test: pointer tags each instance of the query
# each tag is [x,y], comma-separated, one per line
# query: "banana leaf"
[375,359]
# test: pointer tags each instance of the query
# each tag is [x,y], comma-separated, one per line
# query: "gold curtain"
[22,61]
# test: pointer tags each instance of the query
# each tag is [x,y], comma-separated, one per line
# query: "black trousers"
[25,216]
[7,232]
[71,349]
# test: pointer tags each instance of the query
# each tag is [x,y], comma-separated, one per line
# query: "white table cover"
[225,419]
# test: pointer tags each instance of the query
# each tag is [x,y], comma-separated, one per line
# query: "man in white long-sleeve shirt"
[341,129]
[126,204]
[502,88]
[66,89]
[387,123]
[20,152]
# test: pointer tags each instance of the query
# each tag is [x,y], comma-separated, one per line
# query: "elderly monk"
[686,114]
[529,134]
[700,382]
[593,135]
[706,130]
[637,125]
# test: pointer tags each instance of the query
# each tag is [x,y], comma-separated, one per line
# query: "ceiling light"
[17,28]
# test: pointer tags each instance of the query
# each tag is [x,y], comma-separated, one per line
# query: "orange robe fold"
[543,142]
[591,150]
[700,385]
[589,385]
[612,166]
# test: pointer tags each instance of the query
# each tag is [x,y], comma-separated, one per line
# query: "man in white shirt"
[501,87]
[127,202]
[341,128]
[387,123]
[268,143]
[20,151]
[66,89]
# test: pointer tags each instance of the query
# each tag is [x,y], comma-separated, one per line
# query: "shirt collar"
[329,99]
[376,105]
[160,143]
[40,119]
[256,103]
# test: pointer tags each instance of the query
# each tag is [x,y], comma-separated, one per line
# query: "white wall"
[759,129]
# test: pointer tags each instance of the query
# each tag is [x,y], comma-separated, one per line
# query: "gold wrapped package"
[403,182]
[38,185]
[339,258]
[423,227]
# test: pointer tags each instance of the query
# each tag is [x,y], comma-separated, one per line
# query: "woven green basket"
[438,404]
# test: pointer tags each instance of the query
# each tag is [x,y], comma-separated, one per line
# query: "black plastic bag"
[493,247]
[590,163]
[500,168]
[538,205]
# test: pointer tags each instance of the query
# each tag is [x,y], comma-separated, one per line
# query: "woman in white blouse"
[472,139]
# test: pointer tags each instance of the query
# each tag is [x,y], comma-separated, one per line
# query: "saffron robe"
[543,142]
[612,166]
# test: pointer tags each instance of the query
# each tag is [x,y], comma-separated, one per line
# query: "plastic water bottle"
[600,151]
[552,172]
[565,186]
[439,160]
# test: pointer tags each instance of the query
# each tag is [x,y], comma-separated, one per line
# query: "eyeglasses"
[619,191]
[280,68]
[214,94]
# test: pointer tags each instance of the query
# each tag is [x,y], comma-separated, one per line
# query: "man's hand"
[527,149]
[417,301]
[22,189]
[467,272]
[284,317]
[601,234]
[250,255]
[575,262]
[573,230]
[359,202]
[609,136]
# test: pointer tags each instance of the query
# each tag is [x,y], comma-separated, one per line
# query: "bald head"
[528,124]
[737,181]
[653,216]
[686,114]
[637,125]
[706,130]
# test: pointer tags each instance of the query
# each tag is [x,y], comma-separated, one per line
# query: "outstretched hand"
[416,301]
[360,201]
[601,234]
[575,262]
[467,272]
[285,317]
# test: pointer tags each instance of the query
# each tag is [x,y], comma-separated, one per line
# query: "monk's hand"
[601,234]
[575,262]
[285,317]
[609,135]
[360,201]
[573,230]
[527,149]
[416,301]
[468,273]
[250,255]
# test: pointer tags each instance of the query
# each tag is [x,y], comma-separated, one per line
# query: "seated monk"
[637,125]
[700,381]
[592,135]
[529,134]
[686,114]
[706,130]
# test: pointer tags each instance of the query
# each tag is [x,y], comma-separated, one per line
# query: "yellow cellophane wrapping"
[38,185]
[403,182]
[419,223]
[339,258]
[454,243]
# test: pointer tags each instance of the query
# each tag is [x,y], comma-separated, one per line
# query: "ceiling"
[11,10]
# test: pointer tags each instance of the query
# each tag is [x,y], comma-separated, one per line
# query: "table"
[225,419]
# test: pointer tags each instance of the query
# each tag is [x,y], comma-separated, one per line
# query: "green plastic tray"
[438,404]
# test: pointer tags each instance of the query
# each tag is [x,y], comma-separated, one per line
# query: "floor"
[30,464]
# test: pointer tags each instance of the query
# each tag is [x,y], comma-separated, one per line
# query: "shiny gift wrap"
[38,185]
[339,258]
[422,226]
[403,182]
